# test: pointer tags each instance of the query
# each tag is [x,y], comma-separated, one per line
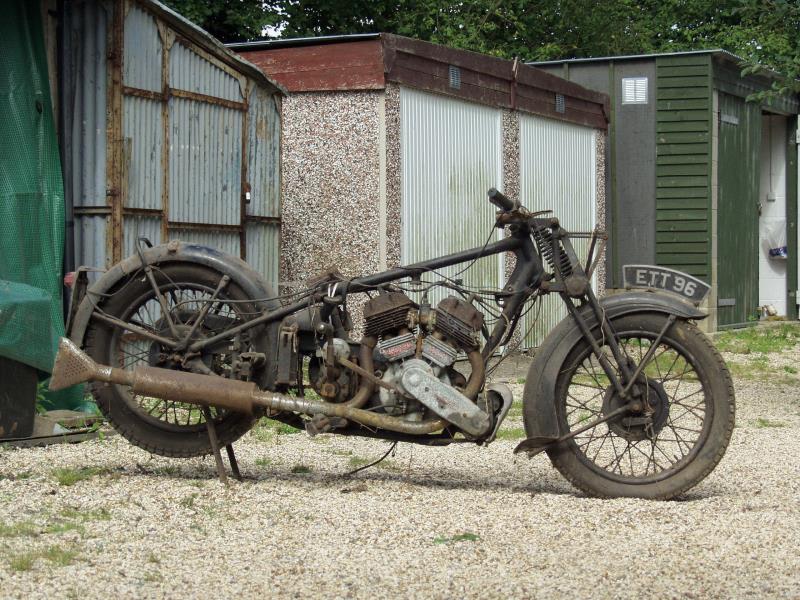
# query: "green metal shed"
[700,179]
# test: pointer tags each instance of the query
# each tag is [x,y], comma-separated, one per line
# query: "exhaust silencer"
[74,366]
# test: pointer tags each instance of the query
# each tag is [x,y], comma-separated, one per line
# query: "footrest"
[534,445]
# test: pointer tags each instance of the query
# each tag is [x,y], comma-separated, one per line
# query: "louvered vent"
[634,90]
[455,77]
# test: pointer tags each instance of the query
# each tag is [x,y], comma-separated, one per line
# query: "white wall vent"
[634,90]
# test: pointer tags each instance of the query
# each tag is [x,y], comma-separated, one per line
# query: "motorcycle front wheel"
[667,448]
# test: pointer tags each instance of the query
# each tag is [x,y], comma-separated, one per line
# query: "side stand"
[214,441]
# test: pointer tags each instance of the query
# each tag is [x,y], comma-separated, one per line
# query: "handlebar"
[502,201]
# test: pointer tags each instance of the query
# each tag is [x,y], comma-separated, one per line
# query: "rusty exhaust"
[74,366]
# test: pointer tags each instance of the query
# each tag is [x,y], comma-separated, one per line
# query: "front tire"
[654,456]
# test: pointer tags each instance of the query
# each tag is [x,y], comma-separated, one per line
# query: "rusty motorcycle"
[187,347]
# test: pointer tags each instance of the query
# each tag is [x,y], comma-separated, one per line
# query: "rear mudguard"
[540,385]
[179,252]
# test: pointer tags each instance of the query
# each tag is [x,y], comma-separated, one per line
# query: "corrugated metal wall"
[194,137]
[84,113]
[558,172]
[451,155]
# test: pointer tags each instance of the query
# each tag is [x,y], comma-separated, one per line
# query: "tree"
[765,33]
[228,20]
[775,43]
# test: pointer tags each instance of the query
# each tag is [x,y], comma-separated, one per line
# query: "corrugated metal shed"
[557,172]
[451,154]
[450,124]
[170,136]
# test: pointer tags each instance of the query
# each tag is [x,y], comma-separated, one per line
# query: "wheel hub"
[642,424]
[159,356]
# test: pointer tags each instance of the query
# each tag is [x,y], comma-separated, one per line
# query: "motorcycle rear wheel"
[158,425]
[690,392]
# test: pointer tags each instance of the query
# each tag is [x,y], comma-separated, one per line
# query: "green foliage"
[228,20]
[511,433]
[761,423]
[759,339]
[69,476]
[301,469]
[765,33]
[56,555]
[461,537]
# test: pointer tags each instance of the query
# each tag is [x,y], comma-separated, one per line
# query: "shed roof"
[728,77]
[369,61]
[208,42]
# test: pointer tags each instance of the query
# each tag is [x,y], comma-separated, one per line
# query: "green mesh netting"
[31,199]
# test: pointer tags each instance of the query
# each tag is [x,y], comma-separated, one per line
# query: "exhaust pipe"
[74,366]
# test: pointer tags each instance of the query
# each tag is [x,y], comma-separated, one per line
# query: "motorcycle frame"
[527,278]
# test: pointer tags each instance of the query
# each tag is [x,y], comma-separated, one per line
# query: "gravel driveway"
[104,519]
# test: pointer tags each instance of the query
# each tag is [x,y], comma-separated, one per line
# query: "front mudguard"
[173,252]
[540,385]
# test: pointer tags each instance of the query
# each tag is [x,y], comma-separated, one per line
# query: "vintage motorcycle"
[187,347]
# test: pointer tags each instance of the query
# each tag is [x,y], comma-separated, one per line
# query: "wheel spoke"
[625,448]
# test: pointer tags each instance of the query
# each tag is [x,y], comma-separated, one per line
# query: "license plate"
[669,280]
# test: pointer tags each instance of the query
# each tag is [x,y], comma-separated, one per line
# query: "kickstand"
[214,441]
[234,464]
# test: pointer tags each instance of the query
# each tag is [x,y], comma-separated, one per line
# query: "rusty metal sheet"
[204,163]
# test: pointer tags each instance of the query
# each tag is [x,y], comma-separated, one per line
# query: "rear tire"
[156,425]
[692,398]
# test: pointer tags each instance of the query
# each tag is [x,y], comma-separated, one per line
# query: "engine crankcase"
[444,400]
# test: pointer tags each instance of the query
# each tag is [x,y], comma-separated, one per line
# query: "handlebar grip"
[500,200]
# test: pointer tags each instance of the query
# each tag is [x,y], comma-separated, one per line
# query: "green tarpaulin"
[31,198]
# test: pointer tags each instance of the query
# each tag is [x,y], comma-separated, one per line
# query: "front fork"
[624,387]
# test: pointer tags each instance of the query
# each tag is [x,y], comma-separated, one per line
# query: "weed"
[99,514]
[153,577]
[511,433]
[152,558]
[60,556]
[167,470]
[188,501]
[263,462]
[461,537]
[22,562]
[358,461]
[755,339]
[284,429]
[791,370]
[761,423]
[515,412]
[63,527]
[56,555]
[301,469]
[262,434]
[521,380]
[68,476]
[337,452]
[21,529]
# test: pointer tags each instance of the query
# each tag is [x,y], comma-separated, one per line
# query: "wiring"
[373,463]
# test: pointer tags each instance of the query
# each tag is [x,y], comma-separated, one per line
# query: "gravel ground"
[428,522]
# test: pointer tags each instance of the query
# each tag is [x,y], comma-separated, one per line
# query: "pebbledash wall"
[390,144]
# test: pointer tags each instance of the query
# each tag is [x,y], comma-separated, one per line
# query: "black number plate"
[669,280]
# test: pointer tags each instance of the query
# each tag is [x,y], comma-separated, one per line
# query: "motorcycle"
[187,347]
